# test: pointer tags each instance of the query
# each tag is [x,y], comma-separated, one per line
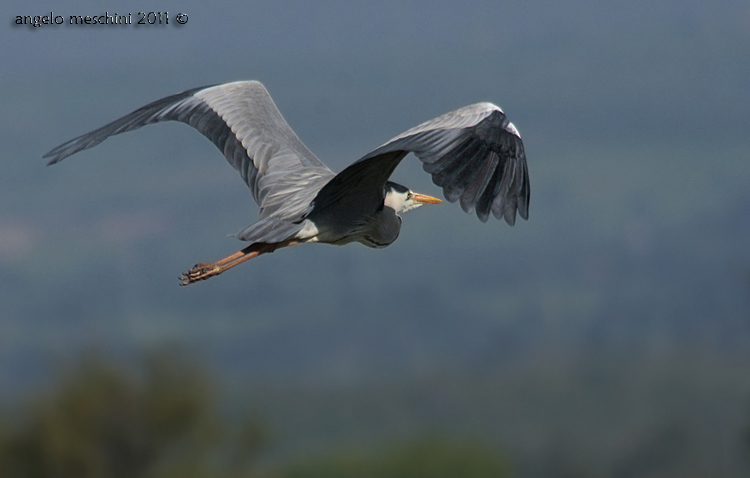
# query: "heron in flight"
[473,153]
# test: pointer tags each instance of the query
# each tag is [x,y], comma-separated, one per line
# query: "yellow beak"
[424,199]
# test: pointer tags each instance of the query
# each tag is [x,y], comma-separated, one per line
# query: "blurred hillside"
[161,416]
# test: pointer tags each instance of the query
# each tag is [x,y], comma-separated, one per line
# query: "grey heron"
[475,154]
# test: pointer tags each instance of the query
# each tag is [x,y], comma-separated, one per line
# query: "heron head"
[401,199]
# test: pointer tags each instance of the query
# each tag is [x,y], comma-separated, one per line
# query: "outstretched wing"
[474,153]
[242,120]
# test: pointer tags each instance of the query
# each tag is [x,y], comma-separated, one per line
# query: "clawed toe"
[200,272]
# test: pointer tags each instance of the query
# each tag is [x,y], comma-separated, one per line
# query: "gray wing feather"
[242,120]
[475,154]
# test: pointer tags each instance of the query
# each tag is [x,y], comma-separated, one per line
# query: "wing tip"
[55,157]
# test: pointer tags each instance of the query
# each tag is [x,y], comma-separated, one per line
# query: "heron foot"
[200,272]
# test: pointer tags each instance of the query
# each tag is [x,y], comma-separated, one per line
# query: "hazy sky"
[577,78]
[563,62]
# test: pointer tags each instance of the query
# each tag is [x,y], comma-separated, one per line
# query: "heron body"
[473,153]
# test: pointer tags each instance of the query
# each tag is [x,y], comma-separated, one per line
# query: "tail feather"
[270,230]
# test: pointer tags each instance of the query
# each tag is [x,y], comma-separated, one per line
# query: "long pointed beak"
[424,199]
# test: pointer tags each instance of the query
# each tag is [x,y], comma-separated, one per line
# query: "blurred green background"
[607,336]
